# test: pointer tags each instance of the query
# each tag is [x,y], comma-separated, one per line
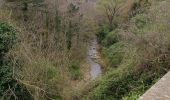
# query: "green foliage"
[142,24]
[112,48]
[7,40]
[104,30]
[111,38]
[74,69]
[52,72]
[5,78]
[141,20]
[7,37]
[125,82]
[47,73]
[114,54]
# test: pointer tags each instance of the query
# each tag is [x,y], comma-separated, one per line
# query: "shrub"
[110,38]
[103,32]
[141,20]
[114,54]
[74,69]
[7,38]
[141,24]
[7,83]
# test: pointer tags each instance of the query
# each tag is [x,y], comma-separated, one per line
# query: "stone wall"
[159,91]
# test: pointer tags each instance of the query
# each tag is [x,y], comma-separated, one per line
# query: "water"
[95,68]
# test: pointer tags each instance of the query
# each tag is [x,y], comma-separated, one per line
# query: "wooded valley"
[82,49]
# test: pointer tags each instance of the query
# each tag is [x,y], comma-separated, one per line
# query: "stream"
[93,56]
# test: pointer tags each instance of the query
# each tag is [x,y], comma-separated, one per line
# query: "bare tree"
[112,10]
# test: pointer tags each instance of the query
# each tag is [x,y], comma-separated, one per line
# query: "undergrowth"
[137,57]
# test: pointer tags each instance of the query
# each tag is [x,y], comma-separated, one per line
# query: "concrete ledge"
[160,91]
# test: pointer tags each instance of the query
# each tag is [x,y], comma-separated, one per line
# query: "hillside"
[82,49]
